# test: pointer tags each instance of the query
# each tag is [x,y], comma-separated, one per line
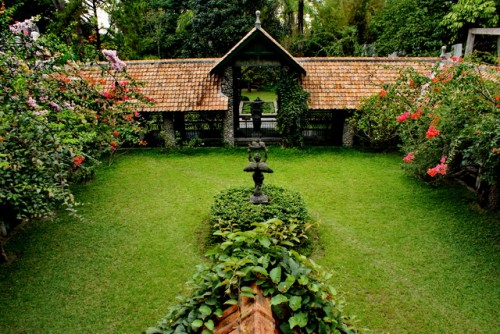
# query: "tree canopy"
[142,29]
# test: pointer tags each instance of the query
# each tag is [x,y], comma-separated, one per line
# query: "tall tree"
[218,24]
[466,14]
[147,29]
[411,27]
[339,27]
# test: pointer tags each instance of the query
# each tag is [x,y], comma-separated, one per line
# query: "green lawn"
[263,95]
[407,257]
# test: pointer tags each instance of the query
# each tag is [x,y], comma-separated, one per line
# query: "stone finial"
[444,54]
[257,22]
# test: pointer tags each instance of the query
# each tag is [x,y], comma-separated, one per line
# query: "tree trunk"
[300,17]
[96,27]
[59,5]
[494,198]
[3,254]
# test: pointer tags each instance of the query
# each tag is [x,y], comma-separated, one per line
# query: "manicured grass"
[407,257]
[263,95]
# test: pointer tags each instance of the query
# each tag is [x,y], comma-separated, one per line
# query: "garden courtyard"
[407,257]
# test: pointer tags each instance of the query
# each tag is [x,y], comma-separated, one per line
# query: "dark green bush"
[233,211]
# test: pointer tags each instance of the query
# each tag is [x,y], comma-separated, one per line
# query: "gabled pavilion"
[201,97]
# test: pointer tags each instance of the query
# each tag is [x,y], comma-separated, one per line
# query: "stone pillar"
[168,129]
[227,89]
[348,134]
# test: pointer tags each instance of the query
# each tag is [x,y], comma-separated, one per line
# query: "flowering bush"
[447,123]
[56,120]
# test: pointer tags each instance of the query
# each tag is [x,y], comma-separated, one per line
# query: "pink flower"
[40,112]
[403,117]
[32,102]
[55,106]
[113,59]
[68,106]
[409,157]
[136,114]
[431,132]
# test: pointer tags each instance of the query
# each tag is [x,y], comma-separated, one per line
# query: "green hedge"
[232,211]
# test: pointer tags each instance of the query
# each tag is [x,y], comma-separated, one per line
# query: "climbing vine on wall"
[292,109]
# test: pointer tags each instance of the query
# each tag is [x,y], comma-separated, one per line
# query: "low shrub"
[232,211]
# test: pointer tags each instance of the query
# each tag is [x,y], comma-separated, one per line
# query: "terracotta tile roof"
[179,84]
[341,83]
[333,83]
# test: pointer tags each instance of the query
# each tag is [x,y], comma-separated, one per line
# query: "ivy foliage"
[292,109]
[300,295]
[232,211]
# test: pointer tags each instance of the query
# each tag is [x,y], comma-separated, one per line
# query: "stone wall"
[168,129]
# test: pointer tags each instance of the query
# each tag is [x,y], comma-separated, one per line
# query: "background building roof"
[178,84]
[333,83]
[342,83]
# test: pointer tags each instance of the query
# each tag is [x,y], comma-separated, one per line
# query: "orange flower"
[431,132]
[417,114]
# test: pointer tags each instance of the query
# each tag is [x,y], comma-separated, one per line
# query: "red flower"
[115,133]
[409,157]
[136,114]
[417,114]
[77,161]
[497,97]
[403,117]
[431,132]
[457,59]
[382,93]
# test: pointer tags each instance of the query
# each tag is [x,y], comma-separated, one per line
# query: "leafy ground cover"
[407,257]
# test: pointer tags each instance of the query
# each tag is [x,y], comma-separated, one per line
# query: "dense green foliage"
[301,298]
[292,106]
[232,211]
[411,27]
[193,28]
[448,124]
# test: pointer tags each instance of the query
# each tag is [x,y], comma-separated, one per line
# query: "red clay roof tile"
[333,83]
